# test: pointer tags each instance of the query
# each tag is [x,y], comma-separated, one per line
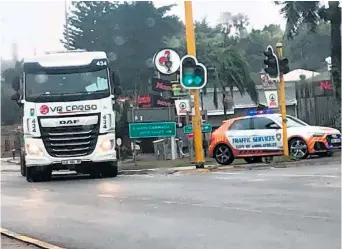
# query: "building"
[244,103]
[10,139]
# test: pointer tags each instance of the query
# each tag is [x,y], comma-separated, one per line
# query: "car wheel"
[298,148]
[254,159]
[223,154]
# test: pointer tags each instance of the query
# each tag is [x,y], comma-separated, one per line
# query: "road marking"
[106,196]
[226,173]
[170,202]
[29,240]
[296,175]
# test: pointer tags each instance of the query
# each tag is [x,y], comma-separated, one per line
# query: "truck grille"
[70,141]
[330,140]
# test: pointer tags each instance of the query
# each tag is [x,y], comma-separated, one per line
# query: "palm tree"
[311,13]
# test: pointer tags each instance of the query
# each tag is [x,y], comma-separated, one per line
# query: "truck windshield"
[66,86]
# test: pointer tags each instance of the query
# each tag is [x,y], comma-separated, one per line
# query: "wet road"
[259,209]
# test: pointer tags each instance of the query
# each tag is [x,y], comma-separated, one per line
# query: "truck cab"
[68,114]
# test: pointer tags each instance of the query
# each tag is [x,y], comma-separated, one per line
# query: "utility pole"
[66,23]
[282,100]
[196,122]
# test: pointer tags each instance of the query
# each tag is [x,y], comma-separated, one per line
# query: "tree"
[308,50]
[130,33]
[217,50]
[10,112]
[312,13]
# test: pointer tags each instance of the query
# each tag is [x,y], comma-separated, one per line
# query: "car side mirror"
[274,126]
[16,83]
[115,84]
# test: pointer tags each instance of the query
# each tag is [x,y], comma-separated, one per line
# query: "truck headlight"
[34,150]
[106,145]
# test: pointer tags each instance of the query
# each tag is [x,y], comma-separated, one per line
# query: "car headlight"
[34,150]
[317,134]
[106,145]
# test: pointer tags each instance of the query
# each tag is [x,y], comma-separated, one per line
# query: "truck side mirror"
[115,84]
[16,83]
[16,97]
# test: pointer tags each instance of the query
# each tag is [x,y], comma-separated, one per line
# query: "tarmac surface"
[297,207]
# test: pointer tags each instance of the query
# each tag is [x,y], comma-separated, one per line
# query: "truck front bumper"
[40,157]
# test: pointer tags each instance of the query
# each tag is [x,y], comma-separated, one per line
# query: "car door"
[267,134]
[240,134]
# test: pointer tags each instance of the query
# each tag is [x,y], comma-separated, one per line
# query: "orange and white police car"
[260,135]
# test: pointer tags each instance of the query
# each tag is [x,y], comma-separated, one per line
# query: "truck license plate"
[67,162]
[335,140]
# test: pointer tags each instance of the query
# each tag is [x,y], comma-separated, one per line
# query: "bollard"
[13,154]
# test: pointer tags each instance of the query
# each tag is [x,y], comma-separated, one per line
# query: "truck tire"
[110,169]
[22,165]
[33,174]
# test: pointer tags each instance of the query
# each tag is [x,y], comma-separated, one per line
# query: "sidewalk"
[185,166]
[9,243]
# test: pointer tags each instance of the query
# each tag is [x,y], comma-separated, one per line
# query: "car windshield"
[292,121]
[44,85]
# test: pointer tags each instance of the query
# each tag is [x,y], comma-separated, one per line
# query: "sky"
[37,26]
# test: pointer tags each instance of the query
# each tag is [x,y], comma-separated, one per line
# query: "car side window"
[261,123]
[242,124]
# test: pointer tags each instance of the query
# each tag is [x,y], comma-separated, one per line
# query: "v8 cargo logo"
[44,109]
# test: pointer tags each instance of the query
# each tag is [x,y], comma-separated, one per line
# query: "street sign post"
[282,102]
[149,130]
[191,48]
[206,128]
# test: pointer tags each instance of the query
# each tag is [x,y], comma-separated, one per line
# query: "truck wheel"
[110,169]
[22,165]
[33,174]
[95,172]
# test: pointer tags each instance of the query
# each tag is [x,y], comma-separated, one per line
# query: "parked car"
[260,135]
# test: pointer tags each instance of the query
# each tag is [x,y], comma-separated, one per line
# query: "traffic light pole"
[196,121]
[282,101]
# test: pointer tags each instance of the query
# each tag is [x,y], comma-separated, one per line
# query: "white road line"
[106,196]
[226,173]
[296,175]
[170,202]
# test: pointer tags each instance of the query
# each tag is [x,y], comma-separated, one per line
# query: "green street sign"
[155,129]
[206,128]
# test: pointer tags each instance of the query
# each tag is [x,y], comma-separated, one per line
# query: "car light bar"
[257,112]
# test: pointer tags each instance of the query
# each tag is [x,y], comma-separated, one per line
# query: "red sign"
[159,85]
[325,85]
[144,99]
[44,109]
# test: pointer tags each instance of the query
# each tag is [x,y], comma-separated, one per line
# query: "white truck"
[67,100]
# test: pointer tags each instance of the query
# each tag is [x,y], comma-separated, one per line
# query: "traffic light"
[284,65]
[271,63]
[193,75]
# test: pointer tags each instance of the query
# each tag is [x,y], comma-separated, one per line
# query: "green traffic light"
[193,74]
[198,80]
[188,80]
